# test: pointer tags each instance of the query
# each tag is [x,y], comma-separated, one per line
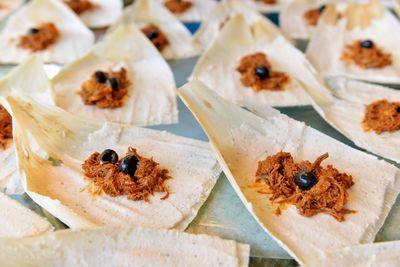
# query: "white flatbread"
[151,97]
[105,13]
[220,14]
[377,254]
[54,178]
[217,66]
[110,247]
[198,12]
[75,39]
[36,84]
[241,139]
[292,18]
[358,22]
[146,12]
[344,108]
[17,221]
[8,6]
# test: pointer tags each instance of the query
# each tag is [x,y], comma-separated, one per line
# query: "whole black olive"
[322,8]
[109,156]
[100,76]
[398,109]
[152,34]
[262,72]
[33,31]
[305,180]
[367,44]
[114,83]
[128,165]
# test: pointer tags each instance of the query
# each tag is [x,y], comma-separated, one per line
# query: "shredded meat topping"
[312,16]
[40,38]
[328,195]
[267,2]
[382,116]
[5,127]
[80,6]
[275,81]
[109,93]
[366,58]
[178,6]
[156,36]
[149,178]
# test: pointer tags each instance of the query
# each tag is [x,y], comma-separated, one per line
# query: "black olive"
[33,31]
[128,165]
[398,109]
[100,76]
[262,72]
[109,156]
[321,8]
[114,83]
[367,44]
[153,34]
[305,180]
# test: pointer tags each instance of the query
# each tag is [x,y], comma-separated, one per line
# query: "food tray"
[223,213]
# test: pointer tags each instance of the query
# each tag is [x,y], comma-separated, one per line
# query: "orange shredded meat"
[102,94]
[40,38]
[382,116]
[149,178]
[267,2]
[156,36]
[312,16]
[80,6]
[178,6]
[5,127]
[366,58]
[247,68]
[329,194]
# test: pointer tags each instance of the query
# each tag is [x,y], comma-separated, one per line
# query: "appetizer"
[313,194]
[267,6]
[189,10]
[90,174]
[220,15]
[47,28]
[355,43]
[300,17]
[119,85]
[34,83]
[253,65]
[96,13]
[171,38]
[367,114]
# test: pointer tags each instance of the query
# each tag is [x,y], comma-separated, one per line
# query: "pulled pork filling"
[382,116]
[366,55]
[178,6]
[40,38]
[267,2]
[105,89]
[311,188]
[5,127]
[135,176]
[80,6]
[256,72]
[156,36]
[312,16]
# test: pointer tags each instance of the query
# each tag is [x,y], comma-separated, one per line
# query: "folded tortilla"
[122,247]
[241,139]
[75,38]
[53,177]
